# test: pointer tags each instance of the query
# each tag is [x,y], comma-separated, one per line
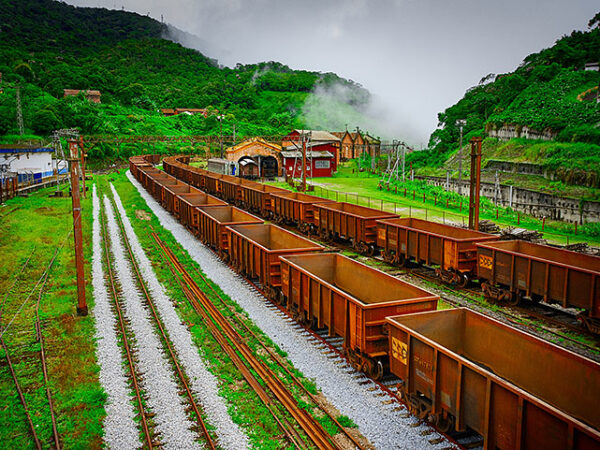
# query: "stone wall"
[515,167]
[507,132]
[537,204]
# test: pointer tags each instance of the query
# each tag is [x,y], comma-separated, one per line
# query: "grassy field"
[362,188]
[36,226]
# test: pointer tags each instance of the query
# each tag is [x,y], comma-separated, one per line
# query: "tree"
[45,122]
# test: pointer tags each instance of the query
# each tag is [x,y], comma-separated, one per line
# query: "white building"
[31,164]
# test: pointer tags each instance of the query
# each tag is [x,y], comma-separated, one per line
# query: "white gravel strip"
[202,382]
[379,423]
[157,379]
[120,429]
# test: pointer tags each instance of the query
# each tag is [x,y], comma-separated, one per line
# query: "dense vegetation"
[541,93]
[47,46]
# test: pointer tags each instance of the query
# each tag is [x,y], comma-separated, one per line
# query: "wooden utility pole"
[83,155]
[82,308]
[303,163]
[475,183]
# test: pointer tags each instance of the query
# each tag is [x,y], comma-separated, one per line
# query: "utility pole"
[221,133]
[475,183]
[461,123]
[303,163]
[19,112]
[82,166]
[82,308]
[403,162]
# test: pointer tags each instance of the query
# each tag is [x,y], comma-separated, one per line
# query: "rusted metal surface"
[256,197]
[358,224]
[511,270]
[467,370]
[351,300]
[255,249]
[451,249]
[189,212]
[229,189]
[82,308]
[213,223]
[296,208]
[475,183]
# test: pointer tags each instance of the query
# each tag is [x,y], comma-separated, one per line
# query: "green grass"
[42,223]
[244,405]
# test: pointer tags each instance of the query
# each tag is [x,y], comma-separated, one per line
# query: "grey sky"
[416,56]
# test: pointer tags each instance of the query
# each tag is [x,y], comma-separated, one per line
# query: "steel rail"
[132,371]
[40,338]
[229,349]
[311,427]
[164,334]
[281,363]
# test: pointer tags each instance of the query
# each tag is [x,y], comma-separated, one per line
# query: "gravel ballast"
[382,424]
[202,382]
[119,427]
[173,427]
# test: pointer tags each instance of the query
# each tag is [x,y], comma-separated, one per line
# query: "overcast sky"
[416,56]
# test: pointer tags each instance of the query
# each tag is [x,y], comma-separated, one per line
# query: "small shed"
[92,96]
[318,163]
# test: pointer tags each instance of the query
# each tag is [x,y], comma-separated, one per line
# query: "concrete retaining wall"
[537,204]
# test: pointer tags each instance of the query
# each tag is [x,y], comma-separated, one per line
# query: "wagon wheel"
[400,260]
[444,424]
[511,299]
[463,280]
[388,256]
[371,249]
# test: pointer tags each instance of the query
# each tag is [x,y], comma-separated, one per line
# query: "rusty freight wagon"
[189,212]
[229,189]
[351,300]
[211,182]
[511,270]
[451,249]
[173,196]
[296,208]
[213,223]
[357,224]
[254,250]
[257,197]
[468,371]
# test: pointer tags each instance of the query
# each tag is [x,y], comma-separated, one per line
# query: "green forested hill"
[541,93]
[47,46]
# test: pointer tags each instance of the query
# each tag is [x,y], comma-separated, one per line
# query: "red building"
[317,141]
[318,163]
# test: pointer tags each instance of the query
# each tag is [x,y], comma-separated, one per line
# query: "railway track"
[135,377]
[197,409]
[236,346]
[41,356]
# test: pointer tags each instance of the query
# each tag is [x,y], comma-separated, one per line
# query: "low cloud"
[339,106]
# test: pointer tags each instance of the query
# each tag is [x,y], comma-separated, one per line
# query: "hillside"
[548,93]
[47,46]
[541,93]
